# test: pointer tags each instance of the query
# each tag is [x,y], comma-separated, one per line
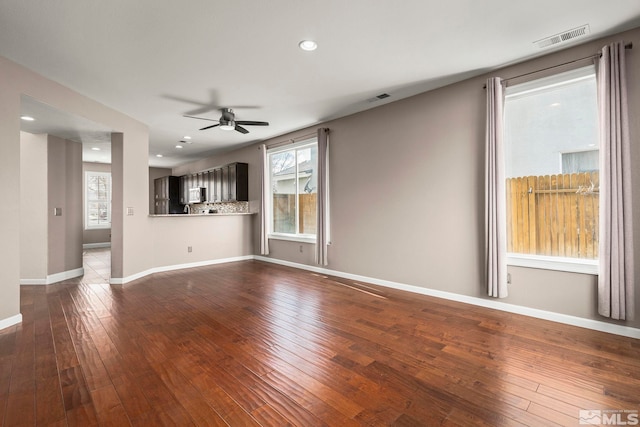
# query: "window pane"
[284,213]
[92,187]
[103,213]
[551,163]
[307,189]
[283,170]
[294,182]
[93,214]
[541,124]
[98,199]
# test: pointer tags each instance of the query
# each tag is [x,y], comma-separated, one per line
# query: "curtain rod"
[291,140]
[596,55]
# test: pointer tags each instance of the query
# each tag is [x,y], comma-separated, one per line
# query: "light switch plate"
[57,211]
[129,211]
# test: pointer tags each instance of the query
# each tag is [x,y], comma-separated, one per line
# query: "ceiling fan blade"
[200,118]
[241,129]
[252,123]
[209,127]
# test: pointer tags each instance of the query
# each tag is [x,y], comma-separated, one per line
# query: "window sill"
[293,238]
[98,227]
[572,265]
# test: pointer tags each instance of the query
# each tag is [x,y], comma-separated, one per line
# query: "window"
[293,187]
[97,200]
[551,165]
[579,161]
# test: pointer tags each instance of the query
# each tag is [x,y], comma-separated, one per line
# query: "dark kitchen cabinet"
[167,195]
[203,182]
[185,183]
[217,184]
[212,192]
[229,183]
[225,184]
[235,182]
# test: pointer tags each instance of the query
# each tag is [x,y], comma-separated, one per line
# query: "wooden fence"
[284,207]
[554,215]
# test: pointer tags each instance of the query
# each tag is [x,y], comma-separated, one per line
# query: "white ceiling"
[158,60]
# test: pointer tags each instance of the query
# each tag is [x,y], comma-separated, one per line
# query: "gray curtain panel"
[615,276]
[495,197]
[322,197]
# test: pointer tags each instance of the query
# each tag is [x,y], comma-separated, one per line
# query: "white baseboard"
[96,245]
[596,325]
[125,280]
[611,328]
[54,278]
[33,281]
[10,321]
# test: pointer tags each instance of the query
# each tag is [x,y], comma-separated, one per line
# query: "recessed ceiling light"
[187,137]
[95,148]
[179,146]
[555,104]
[308,45]
[27,118]
[158,155]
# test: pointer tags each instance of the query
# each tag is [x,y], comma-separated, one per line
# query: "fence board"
[284,207]
[573,224]
[554,215]
[561,220]
[531,199]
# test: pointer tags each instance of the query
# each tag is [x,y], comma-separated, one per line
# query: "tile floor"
[97,265]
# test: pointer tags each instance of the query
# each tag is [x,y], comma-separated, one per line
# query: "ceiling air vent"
[378,97]
[563,37]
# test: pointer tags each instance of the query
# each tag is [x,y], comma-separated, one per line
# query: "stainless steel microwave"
[197,195]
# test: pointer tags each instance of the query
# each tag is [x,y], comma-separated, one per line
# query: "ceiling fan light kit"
[228,126]
[228,121]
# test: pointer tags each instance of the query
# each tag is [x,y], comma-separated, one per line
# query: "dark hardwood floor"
[251,343]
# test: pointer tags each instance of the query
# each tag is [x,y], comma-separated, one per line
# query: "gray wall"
[64,181]
[212,237]
[407,193]
[130,143]
[33,206]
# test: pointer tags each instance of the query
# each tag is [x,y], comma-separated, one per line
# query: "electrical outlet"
[189,249]
[300,248]
[508,278]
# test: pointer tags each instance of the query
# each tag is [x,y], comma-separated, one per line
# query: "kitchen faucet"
[187,209]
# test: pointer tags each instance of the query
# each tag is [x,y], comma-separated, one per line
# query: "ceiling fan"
[228,121]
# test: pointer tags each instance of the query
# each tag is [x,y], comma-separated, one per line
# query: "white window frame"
[294,237]
[573,265]
[87,226]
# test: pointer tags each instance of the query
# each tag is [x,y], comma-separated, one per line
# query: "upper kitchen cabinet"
[214,193]
[229,183]
[185,184]
[235,182]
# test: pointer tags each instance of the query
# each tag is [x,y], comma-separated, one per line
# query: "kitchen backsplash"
[221,207]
